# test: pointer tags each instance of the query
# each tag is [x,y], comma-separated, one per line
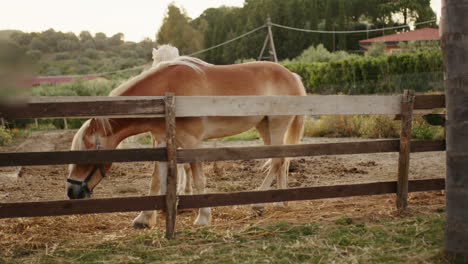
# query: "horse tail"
[296,129]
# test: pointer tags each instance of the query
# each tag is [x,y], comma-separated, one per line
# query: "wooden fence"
[171,107]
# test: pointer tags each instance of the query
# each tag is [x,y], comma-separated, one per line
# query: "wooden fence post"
[407,103]
[171,195]
[454,42]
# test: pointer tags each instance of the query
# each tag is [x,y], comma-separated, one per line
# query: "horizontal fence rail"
[213,154]
[128,204]
[193,106]
[197,106]
[80,106]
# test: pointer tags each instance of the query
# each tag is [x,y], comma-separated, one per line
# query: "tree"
[21,38]
[342,24]
[116,39]
[38,44]
[177,31]
[101,41]
[85,36]
[67,45]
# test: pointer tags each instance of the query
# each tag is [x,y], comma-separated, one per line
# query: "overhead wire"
[253,31]
[348,31]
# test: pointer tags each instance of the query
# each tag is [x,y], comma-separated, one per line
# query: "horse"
[188,76]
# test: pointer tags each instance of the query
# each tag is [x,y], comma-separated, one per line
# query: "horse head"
[83,178]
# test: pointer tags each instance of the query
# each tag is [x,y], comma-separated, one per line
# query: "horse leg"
[148,218]
[158,186]
[204,214]
[188,181]
[273,130]
[181,179]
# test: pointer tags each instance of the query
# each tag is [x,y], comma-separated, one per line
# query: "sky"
[136,19]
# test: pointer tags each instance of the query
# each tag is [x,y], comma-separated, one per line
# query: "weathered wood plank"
[153,106]
[84,106]
[281,105]
[171,150]
[429,101]
[85,206]
[212,154]
[81,157]
[405,149]
[300,150]
[454,42]
[110,205]
[298,194]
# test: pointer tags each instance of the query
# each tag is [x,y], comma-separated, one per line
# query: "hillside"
[6,34]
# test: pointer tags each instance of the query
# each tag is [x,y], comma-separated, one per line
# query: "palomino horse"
[187,76]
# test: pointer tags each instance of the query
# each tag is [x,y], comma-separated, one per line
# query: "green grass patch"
[251,134]
[408,240]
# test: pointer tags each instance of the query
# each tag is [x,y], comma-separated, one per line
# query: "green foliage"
[220,24]
[420,71]
[418,46]
[34,55]
[79,87]
[380,126]
[376,49]
[321,54]
[251,134]
[59,53]
[334,126]
[375,126]
[5,136]
[38,44]
[177,30]
[422,130]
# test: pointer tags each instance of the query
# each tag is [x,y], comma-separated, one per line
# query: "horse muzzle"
[75,191]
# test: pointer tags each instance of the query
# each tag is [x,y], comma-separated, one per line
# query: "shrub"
[62,56]
[376,49]
[368,75]
[91,54]
[422,130]
[34,55]
[334,126]
[380,126]
[5,136]
[321,54]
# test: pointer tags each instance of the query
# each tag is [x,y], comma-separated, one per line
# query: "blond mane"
[191,62]
[78,143]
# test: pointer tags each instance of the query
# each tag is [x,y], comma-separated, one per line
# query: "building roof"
[61,79]
[422,34]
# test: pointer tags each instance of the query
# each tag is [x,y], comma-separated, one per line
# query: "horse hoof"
[258,210]
[140,226]
[202,221]
[282,205]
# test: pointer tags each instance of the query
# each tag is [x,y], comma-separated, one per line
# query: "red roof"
[61,79]
[418,34]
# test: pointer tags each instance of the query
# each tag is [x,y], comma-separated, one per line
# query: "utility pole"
[454,42]
[334,38]
[268,39]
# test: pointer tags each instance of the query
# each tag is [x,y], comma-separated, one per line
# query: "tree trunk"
[454,41]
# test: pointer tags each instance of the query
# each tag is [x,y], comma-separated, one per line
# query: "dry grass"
[350,230]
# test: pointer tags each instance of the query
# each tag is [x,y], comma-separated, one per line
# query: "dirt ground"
[132,179]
